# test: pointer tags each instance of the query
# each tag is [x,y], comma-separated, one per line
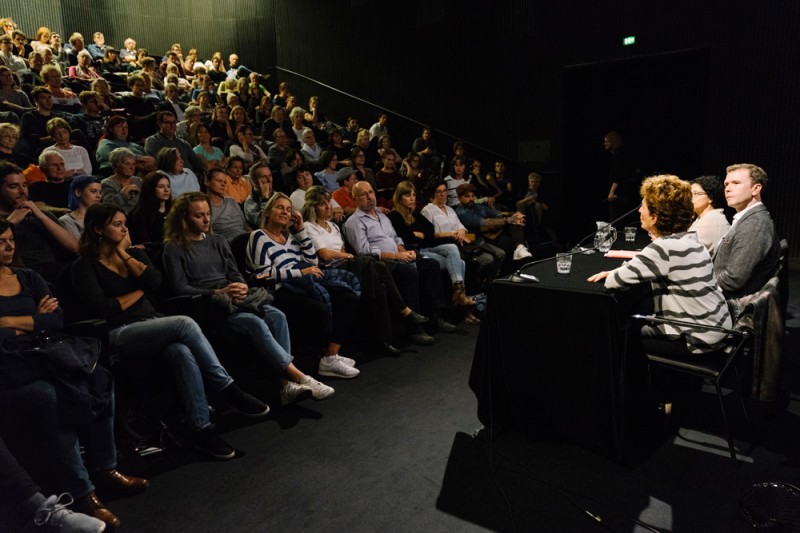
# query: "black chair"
[714,367]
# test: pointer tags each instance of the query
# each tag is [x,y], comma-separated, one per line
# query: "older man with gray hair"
[54,190]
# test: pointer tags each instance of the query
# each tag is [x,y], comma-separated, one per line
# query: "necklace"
[277,237]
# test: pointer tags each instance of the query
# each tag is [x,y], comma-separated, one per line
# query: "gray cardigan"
[748,254]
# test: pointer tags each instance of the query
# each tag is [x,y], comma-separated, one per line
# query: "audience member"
[76,158]
[122,188]
[425,147]
[200,262]
[54,190]
[245,148]
[261,190]
[165,138]
[115,136]
[505,231]
[42,244]
[456,178]
[9,136]
[7,56]
[181,179]
[146,219]
[282,250]
[84,192]
[379,129]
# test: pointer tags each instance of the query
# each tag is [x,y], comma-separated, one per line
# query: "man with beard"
[370,232]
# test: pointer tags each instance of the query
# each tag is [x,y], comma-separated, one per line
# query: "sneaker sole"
[332,374]
[325,397]
[256,415]
[304,395]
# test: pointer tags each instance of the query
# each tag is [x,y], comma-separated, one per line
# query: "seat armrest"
[650,319]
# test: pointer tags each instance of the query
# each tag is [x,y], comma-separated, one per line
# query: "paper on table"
[622,254]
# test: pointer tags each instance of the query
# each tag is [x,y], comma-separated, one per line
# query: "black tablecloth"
[548,356]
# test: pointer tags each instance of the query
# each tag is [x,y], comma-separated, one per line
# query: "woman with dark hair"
[385,145]
[84,192]
[456,177]
[201,139]
[112,279]
[282,250]
[42,432]
[708,199]
[222,133]
[418,234]
[181,179]
[362,171]
[336,144]
[485,190]
[111,62]
[327,176]
[146,219]
[116,136]
[679,269]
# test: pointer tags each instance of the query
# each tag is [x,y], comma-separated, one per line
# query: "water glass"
[563,263]
[630,233]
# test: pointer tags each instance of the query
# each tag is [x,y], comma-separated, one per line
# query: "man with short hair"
[504,230]
[54,190]
[236,70]
[370,232]
[89,121]
[748,255]
[42,244]
[351,131]
[379,129]
[31,76]
[227,218]
[167,126]
[98,49]
[34,123]
[7,56]
[76,46]
[128,52]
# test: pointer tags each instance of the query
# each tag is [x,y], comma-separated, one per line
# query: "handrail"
[401,115]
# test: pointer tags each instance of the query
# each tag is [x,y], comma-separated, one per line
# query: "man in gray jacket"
[749,253]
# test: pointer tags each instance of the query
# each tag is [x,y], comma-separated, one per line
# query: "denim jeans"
[180,340]
[448,257]
[269,335]
[49,450]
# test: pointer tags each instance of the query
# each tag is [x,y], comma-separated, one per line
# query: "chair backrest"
[239,249]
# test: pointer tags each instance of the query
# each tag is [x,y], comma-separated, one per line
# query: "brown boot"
[459,296]
[117,483]
[92,506]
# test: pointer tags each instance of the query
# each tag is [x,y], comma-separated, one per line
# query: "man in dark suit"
[749,253]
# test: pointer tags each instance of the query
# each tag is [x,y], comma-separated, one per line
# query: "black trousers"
[310,324]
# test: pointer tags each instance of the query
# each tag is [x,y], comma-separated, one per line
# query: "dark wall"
[494,73]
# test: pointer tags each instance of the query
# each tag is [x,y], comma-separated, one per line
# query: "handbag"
[473,249]
[257,298]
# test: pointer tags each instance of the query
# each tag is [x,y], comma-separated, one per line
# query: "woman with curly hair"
[679,269]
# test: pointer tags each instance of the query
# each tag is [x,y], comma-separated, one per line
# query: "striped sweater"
[267,258]
[685,287]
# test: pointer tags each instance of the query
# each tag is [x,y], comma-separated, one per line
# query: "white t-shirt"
[181,183]
[75,158]
[442,222]
[324,240]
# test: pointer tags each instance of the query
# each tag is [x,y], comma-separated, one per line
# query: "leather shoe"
[90,505]
[416,319]
[388,349]
[116,483]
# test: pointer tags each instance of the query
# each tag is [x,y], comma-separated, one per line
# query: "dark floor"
[393,451]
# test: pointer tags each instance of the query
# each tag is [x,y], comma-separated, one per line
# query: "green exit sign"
[627,41]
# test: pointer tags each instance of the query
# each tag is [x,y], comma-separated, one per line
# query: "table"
[548,355]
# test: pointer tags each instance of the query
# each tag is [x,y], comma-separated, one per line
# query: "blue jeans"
[448,257]
[180,340]
[269,335]
[50,450]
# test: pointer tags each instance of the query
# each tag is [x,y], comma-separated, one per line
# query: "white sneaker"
[294,392]
[521,252]
[332,365]
[346,360]
[319,391]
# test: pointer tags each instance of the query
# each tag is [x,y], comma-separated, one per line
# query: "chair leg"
[725,422]
[740,391]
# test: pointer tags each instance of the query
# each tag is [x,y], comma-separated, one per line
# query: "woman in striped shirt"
[679,269]
[282,250]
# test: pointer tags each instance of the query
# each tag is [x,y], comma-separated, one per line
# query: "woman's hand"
[419,235]
[598,277]
[297,220]
[47,304]
[124,244]
[313,270]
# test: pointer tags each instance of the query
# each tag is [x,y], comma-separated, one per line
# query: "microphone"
[519,277]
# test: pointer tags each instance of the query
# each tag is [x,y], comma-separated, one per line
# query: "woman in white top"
[84,191]
[708,195]
[76,158]
[181,179]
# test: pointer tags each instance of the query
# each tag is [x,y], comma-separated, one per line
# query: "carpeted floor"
[394,451]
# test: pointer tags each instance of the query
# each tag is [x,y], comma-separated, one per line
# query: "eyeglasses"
[699,194]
